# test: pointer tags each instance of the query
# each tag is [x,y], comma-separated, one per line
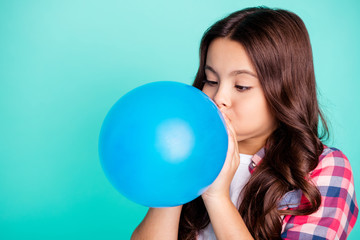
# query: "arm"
[159,223]
[224,216]
[338,211]
[226,220]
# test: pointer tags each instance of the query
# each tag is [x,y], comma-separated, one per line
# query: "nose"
[222,99]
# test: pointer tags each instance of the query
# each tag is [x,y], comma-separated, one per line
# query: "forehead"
[226,53]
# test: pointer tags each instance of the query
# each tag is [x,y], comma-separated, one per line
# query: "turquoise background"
[63,64]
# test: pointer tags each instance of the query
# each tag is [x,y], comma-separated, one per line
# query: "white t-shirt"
[241,177]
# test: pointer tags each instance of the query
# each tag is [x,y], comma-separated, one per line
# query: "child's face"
[238,94]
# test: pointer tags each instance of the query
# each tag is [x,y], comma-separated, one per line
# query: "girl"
[279,180]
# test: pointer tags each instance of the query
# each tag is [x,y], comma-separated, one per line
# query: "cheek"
[210,92]
[246,113]
[252,114]
[207,91]
[246,107]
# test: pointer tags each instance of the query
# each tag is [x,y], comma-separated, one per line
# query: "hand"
[220,188]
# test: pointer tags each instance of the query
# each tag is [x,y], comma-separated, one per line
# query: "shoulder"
[334,156]
[332,163]
[333,175]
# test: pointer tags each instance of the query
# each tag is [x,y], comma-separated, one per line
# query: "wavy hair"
[278,45]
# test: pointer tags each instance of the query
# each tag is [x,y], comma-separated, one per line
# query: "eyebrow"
[233,73]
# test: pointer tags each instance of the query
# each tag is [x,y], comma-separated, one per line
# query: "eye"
[238,87]
[242,88]
[211,83]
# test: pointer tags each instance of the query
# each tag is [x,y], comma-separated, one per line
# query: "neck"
[250,146]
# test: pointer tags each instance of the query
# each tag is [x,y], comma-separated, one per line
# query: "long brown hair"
[278,44]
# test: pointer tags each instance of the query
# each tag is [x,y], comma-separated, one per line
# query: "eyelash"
[239,88]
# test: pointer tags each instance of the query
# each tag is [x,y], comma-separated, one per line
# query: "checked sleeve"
[338,210]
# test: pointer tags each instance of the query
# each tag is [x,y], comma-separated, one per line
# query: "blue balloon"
[163,143]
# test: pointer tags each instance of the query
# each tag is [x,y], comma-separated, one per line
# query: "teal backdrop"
[64,63]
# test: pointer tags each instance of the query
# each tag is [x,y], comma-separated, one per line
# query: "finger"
[227,120]
[230,127]
[233,144]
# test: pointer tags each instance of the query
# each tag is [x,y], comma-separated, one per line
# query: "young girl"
[279,180]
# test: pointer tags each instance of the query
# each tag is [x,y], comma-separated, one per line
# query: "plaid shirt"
[338,211]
